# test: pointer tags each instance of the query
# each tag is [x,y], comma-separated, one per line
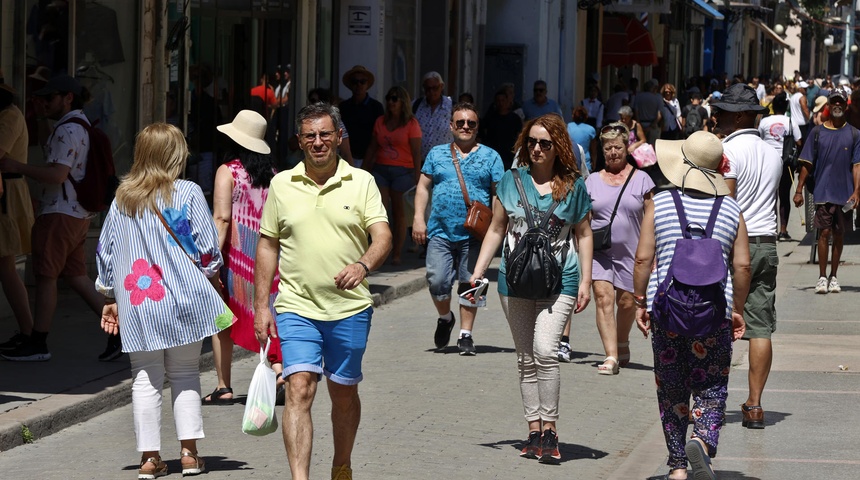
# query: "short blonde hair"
[160,154]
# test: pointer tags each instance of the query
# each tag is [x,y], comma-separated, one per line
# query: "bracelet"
[798,193]
[366,270]
[639,300]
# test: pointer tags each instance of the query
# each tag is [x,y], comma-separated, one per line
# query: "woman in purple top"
[612,270]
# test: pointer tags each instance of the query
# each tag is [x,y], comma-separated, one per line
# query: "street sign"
[359,20]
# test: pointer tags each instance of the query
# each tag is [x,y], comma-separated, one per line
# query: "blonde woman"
[394,159]
[157,291]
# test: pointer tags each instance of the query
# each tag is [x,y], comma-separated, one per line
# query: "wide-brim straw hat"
[355,70]
[693,164]
[248,129]
[820,102]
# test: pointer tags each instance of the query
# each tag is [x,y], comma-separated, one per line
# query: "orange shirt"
[265,93]
[394,146]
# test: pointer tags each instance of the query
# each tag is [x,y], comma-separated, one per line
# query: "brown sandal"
[197,468]
[158,470]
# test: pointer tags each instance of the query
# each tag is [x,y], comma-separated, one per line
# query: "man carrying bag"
[451,249]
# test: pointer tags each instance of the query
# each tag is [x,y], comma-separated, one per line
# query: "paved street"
[428,415]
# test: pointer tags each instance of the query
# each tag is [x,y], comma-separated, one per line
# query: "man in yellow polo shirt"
[317,219]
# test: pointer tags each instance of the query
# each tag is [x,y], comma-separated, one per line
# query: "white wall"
[366,50]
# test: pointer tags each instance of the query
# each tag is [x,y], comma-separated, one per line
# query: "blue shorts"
[399,179]
[333,348]
[448,261]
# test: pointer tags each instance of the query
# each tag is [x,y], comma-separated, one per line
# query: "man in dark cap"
[831,155]
[753,178]
[61,226]
[360,111]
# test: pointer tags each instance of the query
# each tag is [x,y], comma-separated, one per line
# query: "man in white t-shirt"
[798,106]
[753,177]
[61,226]
[773,130]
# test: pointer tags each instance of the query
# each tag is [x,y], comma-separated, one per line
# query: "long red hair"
[565,170]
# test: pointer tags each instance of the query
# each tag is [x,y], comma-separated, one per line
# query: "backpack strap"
[679,207]
[712,220]
[519,183]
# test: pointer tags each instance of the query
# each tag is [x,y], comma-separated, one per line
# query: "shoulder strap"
[712,220]
[77,121]
[548,214]
[460,176]
[679,207]
[519,183]
[175,238]
[618,200]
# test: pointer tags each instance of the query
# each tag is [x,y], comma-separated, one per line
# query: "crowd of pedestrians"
[285,256]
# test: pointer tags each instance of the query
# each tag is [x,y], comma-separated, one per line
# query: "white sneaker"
[821,286]
[564,352]
[834,286]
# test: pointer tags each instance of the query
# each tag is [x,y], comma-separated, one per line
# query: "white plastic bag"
[260,418]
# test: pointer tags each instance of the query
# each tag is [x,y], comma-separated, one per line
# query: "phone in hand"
[477,291]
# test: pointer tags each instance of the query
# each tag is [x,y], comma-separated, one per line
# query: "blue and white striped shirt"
[668,230]
[164,300]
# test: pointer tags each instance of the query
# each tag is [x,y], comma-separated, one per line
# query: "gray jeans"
[536,326]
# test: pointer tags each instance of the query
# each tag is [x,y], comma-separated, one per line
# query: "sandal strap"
[154,460]
[750,407]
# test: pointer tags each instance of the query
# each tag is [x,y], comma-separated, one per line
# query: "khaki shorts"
[760,309]
[58,245]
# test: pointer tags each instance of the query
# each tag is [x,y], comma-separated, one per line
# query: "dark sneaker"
[28,352]
[784,237]
[564,352]
[113,350]
[443,332]
[531,449]
[466,345]
[14,342]
[549,448]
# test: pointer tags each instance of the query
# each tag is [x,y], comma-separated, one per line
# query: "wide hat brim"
[358,69]
[248,121]
[703,149]
[8,88]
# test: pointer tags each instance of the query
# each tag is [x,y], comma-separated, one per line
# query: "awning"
[638,6]
[773,35]
[706,9]
[626,42]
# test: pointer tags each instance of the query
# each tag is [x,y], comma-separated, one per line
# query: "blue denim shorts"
[447,261]
[332,348]
[399,179]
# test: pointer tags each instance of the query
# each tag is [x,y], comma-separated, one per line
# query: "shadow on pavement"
[569,451]
[478,348]
[213,463]
[723,475]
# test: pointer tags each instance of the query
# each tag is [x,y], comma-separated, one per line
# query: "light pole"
[849,48]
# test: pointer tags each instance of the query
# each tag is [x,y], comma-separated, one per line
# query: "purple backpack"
[691,300]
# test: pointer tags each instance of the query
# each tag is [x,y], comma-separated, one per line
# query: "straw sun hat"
[693,163]
[248,129]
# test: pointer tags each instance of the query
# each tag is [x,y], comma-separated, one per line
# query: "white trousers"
[182,368]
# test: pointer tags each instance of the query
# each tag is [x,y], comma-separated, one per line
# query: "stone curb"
[56,412]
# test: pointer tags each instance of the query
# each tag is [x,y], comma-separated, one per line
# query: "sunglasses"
[539,90]
[359,81]
[613,128]
[544,144]
[391,98]
[471,123]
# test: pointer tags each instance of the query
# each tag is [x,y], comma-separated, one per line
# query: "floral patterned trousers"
[685,366]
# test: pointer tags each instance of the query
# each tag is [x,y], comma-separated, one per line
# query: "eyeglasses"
[471,123]
[611,128]
[325,136]
[544,144]
[359,81]
[432,88]
[392,98]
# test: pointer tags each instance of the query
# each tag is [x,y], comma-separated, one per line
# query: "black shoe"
[549,448]
[443,332]
[783,237]
[113,350]
[466,345]
[28,352]
[531,449]
[14,342]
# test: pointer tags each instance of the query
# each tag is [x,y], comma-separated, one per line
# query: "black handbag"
[603,235]
[531,269]
[790,151]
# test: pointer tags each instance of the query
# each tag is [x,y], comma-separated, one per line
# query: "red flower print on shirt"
[142,282]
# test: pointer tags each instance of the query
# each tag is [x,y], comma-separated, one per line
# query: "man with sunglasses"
[540,104]
[753,178]
[451,251]
[359,112]
[60,231]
